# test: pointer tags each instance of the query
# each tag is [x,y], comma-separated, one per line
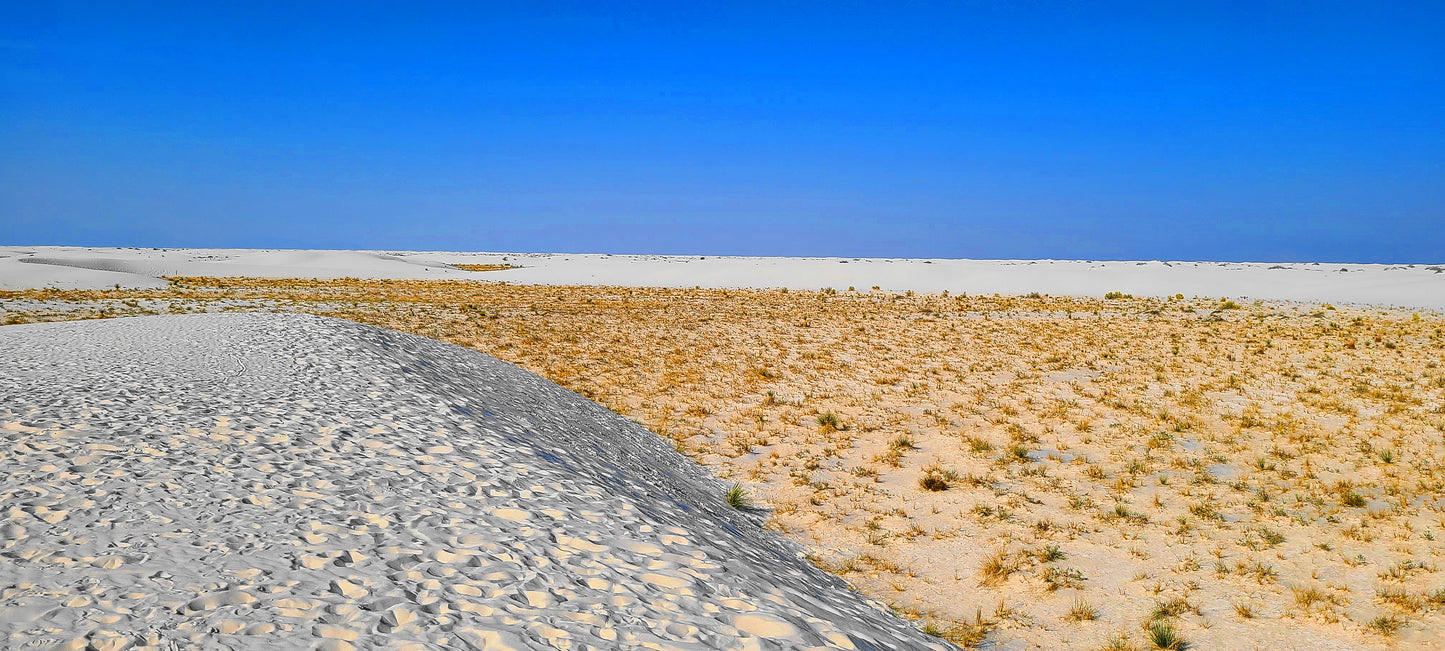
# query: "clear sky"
[1311,131]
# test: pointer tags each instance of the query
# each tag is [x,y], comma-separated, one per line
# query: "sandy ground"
[1415,286]
[1013,471]
[287,481]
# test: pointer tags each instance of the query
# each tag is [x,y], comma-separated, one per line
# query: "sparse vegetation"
[737,497]
[1170,608]
[1173,447]
[1161,635]
[1081,611]
[1057,578]
[1386,625]
[936,478]
[997,568]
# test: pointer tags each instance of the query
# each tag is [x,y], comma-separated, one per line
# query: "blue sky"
[1215,131]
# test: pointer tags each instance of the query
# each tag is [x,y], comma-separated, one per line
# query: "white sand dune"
[101,268]
[18,272]
[1410,286]
[287,481]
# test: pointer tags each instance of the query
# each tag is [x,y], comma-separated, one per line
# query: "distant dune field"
[1015,470]
[1405,285]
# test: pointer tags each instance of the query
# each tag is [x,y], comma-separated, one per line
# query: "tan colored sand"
[1260,475]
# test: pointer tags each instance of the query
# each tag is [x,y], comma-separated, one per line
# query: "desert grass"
[1162,636]
[1081,611]
[948,453]
[737,497]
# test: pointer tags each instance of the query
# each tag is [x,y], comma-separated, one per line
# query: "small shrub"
[997,568]
[828,422]
[969,634]
[1309,597]
[1385,625]
[1171,608]
[697,410]
[1121,512]
[1081,611]
[1050,553]
[1162,635]
[737,497]
[1401,599]
[1262,573]
[1056,578]
[1263,536]
[893,457]
[1205,511]
[1404,570]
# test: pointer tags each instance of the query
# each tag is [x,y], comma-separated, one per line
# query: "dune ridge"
[269,480]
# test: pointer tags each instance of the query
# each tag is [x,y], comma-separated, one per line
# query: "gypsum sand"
[1256,476]
[280,481]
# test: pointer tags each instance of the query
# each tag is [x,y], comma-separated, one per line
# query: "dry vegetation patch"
[1093,472]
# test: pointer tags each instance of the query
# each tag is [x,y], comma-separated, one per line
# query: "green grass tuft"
[737,497]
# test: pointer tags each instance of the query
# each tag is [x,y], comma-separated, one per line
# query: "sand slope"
[281,481]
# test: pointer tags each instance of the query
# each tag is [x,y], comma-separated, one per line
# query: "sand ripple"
[279,481]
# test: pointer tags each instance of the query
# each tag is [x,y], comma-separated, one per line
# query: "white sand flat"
[1417,286]
[69,267]
[290,481]
[1410,286]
